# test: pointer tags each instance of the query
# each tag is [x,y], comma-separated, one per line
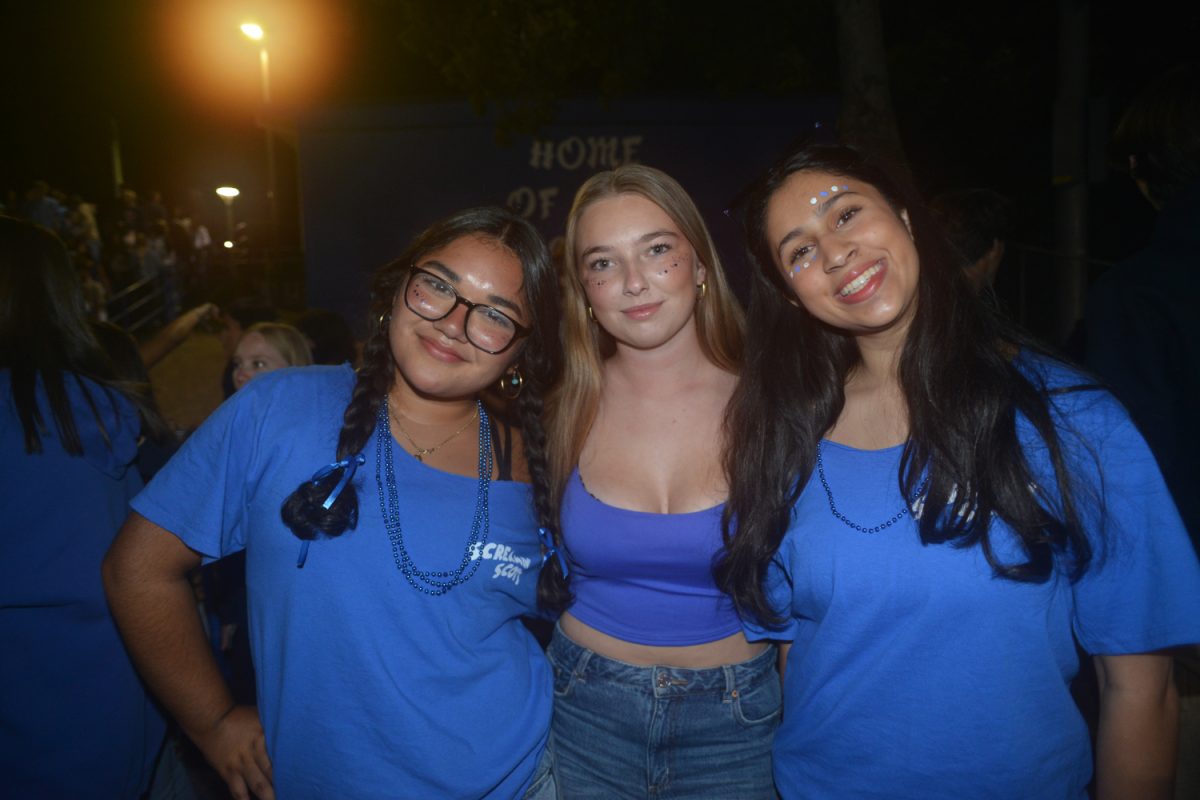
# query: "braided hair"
[539,363]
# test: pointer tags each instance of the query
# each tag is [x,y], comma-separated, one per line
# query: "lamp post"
[255,32]
[228,194]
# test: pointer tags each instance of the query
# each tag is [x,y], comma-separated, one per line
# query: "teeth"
[861,281]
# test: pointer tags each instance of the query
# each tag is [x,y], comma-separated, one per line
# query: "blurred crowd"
[132,239]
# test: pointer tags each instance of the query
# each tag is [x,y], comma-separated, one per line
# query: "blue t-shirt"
[916,673]
[75,720]
[366,686]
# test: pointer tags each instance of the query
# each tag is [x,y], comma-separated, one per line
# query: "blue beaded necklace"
[431,582]
[860,528]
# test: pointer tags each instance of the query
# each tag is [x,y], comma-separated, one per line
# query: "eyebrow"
[646,237]
[821,210]
[454,277]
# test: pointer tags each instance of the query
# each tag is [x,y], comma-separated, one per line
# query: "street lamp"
[228,194]
[255,32]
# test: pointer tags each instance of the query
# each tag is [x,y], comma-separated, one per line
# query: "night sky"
[973,84]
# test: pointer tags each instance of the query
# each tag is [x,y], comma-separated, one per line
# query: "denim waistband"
[661,680]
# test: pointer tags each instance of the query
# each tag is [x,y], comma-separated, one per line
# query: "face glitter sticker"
[805,265]
[812,201]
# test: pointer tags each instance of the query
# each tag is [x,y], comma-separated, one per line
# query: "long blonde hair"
[720,323]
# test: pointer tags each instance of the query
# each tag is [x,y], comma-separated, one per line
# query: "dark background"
[973,85]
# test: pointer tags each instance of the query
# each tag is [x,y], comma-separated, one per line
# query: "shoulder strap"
[502,445]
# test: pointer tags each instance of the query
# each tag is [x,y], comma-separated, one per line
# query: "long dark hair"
[962,389]
[44,334]
[539,363]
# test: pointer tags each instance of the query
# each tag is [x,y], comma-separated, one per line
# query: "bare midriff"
[730,650]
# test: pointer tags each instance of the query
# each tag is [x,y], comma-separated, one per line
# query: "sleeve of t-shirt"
[778,589]
[201,495]
[1142,590]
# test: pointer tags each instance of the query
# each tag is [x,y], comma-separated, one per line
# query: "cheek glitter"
[803,265]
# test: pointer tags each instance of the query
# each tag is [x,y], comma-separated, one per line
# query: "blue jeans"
[543,786]
[625,731]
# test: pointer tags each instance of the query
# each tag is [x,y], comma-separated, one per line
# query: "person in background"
[657,690]
[266,347]
[156,442]
[75,720]
[1140,333]
[976,222]
[236,315]
[931,512]
[155,348]
[1139,321]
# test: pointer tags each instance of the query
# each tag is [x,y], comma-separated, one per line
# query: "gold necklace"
[421,452]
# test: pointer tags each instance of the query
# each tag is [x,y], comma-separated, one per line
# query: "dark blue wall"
[371,179]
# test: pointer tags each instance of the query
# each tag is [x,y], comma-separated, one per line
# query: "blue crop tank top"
[645,577]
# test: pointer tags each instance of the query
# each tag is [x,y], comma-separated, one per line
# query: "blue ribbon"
[550,550]
[350,465]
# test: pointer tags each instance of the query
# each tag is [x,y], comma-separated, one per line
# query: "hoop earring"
[512,382]
[383,320]
[703,287]
[591,314]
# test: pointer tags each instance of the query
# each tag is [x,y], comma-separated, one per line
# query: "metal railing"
[137,306]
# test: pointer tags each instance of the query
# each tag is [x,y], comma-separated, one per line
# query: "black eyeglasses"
[432,298]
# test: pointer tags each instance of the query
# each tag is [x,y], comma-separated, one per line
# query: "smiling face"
[434,357]
[847,255]
[253,357]
[639,272]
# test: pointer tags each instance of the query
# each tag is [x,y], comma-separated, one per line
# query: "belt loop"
[585,655]
[730,681]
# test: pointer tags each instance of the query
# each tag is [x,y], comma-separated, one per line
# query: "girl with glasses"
[385,588]
[657,690]
[932,512]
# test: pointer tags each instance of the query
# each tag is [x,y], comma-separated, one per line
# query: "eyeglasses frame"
[521,330]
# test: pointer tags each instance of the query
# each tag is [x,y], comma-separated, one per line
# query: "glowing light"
[208,58]
[228,245]
[252,30]
[229,192]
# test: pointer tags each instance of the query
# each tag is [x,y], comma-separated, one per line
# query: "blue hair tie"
[350,465]
[548,543]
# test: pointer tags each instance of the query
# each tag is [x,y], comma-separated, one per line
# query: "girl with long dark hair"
[75,720]
[385,588]
[657,690]
[931,511]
